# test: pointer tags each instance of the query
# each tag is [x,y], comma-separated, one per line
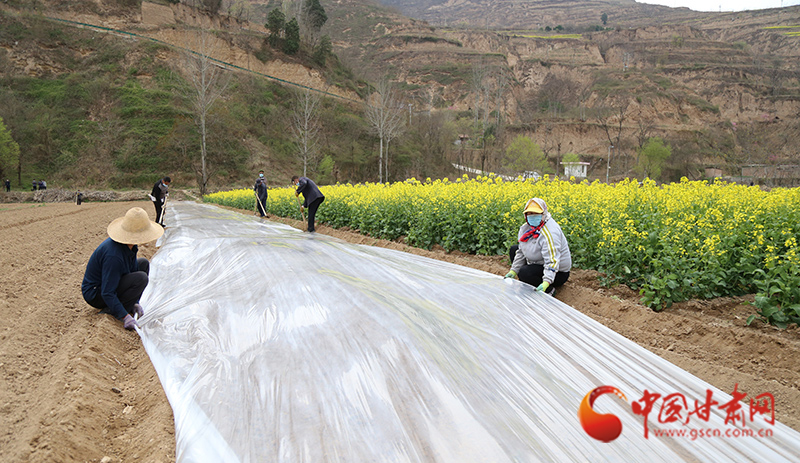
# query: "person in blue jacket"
[313,197]
[115,278]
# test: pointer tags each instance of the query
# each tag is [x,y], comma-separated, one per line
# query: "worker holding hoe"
[159,197]
[115,278]
[542,257]
[260,189]
[313,197]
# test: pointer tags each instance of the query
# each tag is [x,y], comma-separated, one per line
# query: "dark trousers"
[312,212]
[262,206]
[533,274]
[130,289]
[158,205]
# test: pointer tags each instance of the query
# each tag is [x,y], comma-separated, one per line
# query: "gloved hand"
[129,323]
[511,274]
[139,310]
[543,287]
[302,208]
[296,194]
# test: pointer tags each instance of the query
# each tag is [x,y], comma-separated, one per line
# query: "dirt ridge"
[74,386]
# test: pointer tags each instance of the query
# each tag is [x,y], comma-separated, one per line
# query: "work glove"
[296,194]
[511,274]
[543,287]
[139,310]
[302,208]
[129,323]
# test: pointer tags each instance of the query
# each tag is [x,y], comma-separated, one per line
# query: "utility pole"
[608,163]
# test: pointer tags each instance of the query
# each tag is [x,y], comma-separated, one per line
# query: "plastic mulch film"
[275,345]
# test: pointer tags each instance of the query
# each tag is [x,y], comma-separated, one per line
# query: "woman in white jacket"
[542,257]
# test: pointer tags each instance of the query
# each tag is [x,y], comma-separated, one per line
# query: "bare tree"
[385,116]
[645,126]
[500,88]
[305,125]
[583,97]
[208,82]
[611,120]
[481,93]
[395,131]
[239,9]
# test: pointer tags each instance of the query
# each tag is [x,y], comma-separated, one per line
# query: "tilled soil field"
[75,386]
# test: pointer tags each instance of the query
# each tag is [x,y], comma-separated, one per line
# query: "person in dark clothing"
[42,185]
[261,194]
[35,185]
[313,197]
[115,278]
[7,184]
[159,197]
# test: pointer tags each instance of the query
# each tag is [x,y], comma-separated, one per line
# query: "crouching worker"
[115,279]
[542,257]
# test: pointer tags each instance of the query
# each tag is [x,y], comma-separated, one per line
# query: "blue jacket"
[309,190]
[109,262]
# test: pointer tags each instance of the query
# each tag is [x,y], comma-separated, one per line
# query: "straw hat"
[135,228]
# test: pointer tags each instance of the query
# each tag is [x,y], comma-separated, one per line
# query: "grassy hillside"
[723,91]
[90,109]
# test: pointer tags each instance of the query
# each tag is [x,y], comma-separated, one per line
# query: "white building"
[575,169]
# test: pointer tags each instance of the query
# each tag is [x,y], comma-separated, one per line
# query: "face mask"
[534,220]
[261,175]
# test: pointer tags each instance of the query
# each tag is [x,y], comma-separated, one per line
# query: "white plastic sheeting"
[275,345]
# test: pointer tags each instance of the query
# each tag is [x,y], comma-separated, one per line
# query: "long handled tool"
[163,210]
[258,207]
[301,209]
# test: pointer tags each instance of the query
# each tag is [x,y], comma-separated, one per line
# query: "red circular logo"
[602,426]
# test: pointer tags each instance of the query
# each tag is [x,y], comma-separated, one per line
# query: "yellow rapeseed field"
[673,242]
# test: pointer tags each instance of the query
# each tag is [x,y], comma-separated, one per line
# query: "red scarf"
[532,233]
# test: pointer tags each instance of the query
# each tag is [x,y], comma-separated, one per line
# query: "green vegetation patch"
[553,37]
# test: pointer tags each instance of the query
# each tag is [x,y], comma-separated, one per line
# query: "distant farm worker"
[261,194]
[7,184]
[115,278]
[159,196]
[35,186]
[542,257]
[313,197]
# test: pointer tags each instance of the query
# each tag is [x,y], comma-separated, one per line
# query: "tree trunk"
[380,163]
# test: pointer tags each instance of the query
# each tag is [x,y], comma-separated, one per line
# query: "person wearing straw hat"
[542,257]
[115,278]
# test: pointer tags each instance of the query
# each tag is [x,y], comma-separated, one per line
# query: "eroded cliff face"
[176,25]
[676,81]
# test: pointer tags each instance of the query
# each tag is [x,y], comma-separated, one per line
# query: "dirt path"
[74,386]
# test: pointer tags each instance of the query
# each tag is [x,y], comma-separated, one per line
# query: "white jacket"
[550,248]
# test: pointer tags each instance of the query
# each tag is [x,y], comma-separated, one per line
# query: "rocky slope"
[722,88]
